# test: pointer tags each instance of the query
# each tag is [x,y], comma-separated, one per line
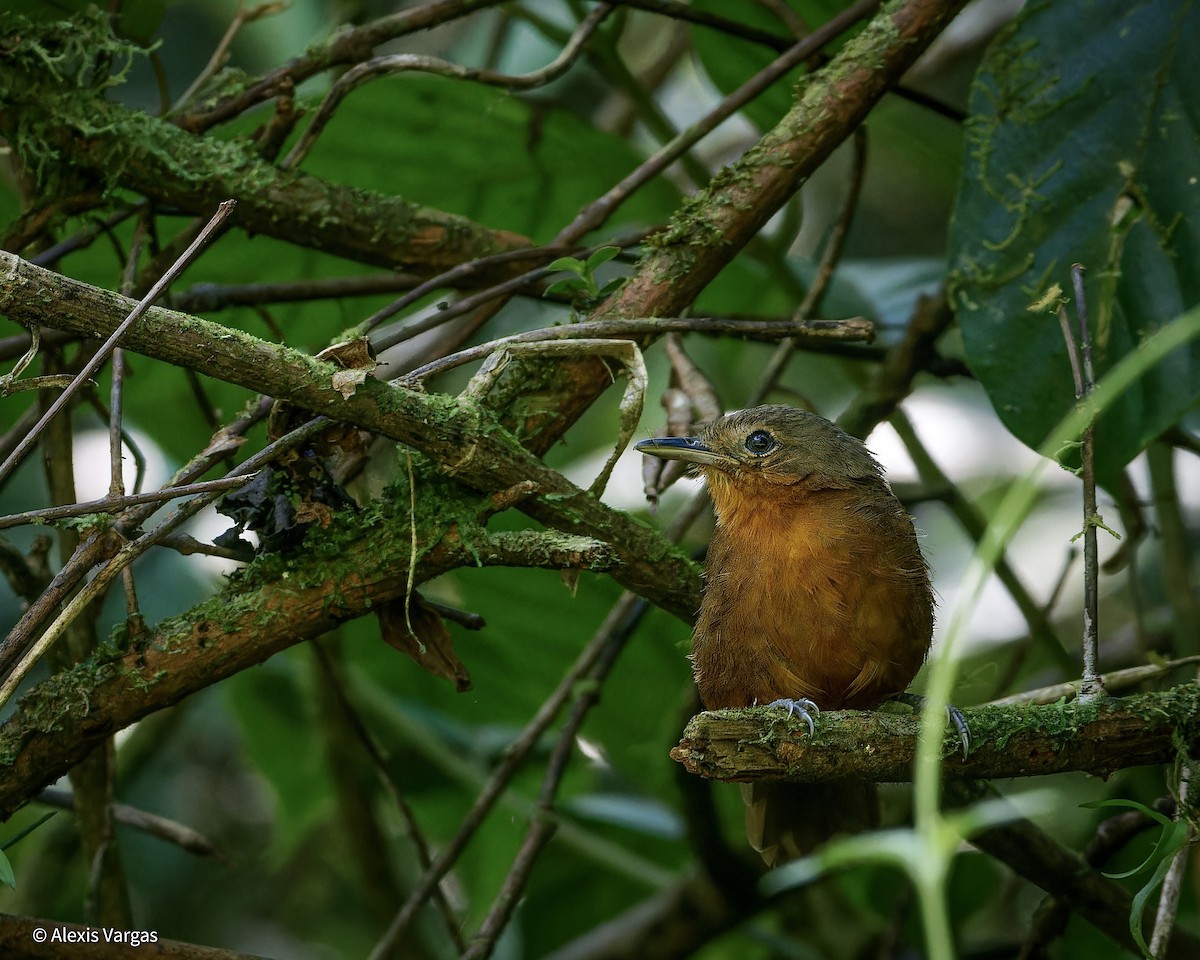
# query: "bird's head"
[773,445]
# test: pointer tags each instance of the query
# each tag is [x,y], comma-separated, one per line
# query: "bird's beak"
[687,449]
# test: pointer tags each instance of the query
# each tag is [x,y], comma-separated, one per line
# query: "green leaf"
[1068,161]
[1173,835]
[601,256]
[1137,908]
[574,264]
[567,285]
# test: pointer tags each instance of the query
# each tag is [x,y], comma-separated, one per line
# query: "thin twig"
[1085,384]
[514,757]
[854,328]
[402,62]
[690,14]
[220,53]
[830,257]
[110,344]
[615,631]
[112,505]
[172,831]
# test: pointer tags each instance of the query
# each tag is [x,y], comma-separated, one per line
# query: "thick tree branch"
[97,141]
[346,572]
[1096,737]
[712,228]
[457,435]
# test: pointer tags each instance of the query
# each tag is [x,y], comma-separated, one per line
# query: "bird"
[817,596]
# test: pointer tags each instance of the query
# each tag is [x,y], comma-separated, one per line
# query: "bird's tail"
[785,821]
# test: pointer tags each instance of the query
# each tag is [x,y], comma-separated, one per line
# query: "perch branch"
[1095,737]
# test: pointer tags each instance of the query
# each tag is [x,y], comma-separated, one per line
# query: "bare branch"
[172,831]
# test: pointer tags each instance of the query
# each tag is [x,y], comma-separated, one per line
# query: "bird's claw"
[803,707]
[959,723]
[953,714]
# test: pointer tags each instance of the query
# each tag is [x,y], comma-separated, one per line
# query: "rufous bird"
[817,596]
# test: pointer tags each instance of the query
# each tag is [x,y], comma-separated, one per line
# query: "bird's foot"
[957,720]
[803,708]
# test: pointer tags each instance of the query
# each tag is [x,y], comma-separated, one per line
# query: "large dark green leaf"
[1069,159]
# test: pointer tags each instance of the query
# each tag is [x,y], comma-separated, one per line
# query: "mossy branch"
[343,573]
[710,229]
[462,439]
[59,128]
[1099,737]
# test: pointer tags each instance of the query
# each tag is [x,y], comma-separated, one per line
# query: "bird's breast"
[823,595]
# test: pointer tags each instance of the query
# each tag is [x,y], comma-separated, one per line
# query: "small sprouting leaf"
[612,285]
[1138,907]
[567,285]
[1174,835]
[602,256]
[574,264]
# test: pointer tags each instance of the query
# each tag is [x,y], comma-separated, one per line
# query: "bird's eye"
[760,442]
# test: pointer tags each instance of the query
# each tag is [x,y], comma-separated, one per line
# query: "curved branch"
[349,46]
